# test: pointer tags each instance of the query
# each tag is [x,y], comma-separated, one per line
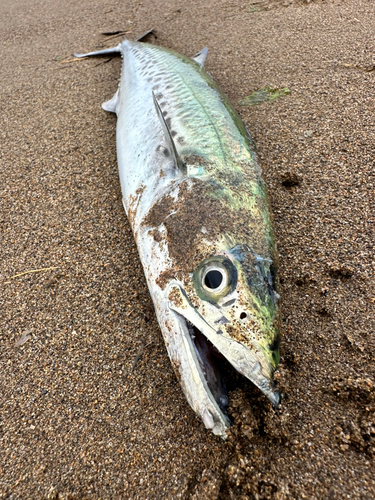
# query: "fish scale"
[198,207]
[184,84]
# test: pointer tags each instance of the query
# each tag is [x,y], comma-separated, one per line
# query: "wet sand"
[89,405]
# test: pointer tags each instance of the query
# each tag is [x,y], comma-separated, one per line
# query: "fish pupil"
[213,279]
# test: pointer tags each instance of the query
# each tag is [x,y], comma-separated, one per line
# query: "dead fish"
[195,198]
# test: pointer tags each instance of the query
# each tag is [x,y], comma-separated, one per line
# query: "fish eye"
[215,278]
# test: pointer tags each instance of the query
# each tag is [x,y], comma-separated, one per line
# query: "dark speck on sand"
[76,422]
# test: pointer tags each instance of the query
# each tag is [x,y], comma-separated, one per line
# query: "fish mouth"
[211,346]
[209,359]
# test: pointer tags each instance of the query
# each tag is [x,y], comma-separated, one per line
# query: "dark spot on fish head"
[163,150]
[222,321]
[168,121]
[173,133]
[180,140]
[275,344]
[165,113]
[229,303]
[155,233]
[274,347]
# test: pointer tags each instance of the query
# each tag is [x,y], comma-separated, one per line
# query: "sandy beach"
[90,407]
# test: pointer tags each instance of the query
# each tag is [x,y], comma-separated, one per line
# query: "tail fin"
[113,50]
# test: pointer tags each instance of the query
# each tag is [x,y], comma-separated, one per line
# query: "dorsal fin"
[201,56]
[180,165]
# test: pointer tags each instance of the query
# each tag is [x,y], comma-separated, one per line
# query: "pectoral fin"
[111,105]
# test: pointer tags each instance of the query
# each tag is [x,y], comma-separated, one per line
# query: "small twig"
[31,271]
[121,33]
[136,359]
[368,69]
[129,313]
[138,356]
[103,62]
[111,33]
[63,67]
[73,60]
[24,338]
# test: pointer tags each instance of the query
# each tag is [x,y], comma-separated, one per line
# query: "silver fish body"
[197,204]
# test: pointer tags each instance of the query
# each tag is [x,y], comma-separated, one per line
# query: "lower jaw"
[220,375]
[215,368]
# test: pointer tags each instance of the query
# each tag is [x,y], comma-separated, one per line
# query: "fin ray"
[180,165]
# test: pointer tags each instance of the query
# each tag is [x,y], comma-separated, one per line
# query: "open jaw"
[199,374]
[205,349]
[209,362]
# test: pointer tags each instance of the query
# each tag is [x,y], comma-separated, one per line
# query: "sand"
[90,407]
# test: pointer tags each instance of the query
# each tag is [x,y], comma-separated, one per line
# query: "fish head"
[215,290]
[231,305]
